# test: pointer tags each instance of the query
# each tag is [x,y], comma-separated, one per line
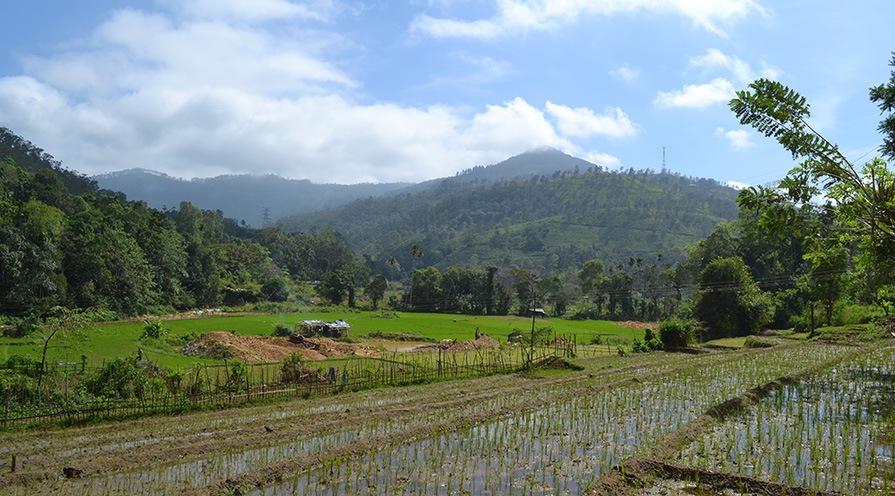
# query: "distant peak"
[134,172]
[543,149]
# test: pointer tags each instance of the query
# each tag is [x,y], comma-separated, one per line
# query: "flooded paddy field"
[556,432]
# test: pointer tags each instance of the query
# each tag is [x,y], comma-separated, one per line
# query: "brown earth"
[633,324]
[484,341]
[223,344]
[637,475]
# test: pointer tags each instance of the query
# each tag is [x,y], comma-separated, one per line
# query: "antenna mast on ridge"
[265,217]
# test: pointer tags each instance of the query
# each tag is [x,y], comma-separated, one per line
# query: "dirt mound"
[484,341]
[633,324]
[555,363]
[222,344]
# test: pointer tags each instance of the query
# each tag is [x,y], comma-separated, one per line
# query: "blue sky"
[345,92]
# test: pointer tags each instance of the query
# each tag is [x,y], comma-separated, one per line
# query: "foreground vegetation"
[516,434]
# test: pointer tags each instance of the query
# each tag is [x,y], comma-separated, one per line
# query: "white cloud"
[583,122]
[134,50]
[514,16]
[697,96]
[203,95]
[602,159]
[252,10]
[738,185]
[714,59]
[515,125]
[739,138]
[625,73]
[325,138]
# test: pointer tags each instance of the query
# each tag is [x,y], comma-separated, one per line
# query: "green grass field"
[114,340]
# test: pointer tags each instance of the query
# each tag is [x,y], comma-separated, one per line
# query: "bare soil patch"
[222,344]
[646,476]
[484,341]
[633,324]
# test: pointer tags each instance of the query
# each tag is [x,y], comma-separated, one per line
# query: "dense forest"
[551,223]
[65,242]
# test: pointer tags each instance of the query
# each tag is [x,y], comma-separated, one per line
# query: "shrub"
[651,340]
[282,330]
[850,314]
[295,370]
[174,378]
[118,378]
[238,374]
[23,364]
[756,342]
[153,329]
[676,333]
[639,347]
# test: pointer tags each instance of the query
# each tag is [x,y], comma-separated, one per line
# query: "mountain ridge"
[553,223]
[245,197]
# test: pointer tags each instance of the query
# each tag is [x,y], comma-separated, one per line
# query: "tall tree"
[728,302]
[863,196]
[375,289]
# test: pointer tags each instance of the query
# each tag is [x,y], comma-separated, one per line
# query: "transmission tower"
[265,217]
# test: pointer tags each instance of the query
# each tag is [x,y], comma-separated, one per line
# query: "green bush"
[153,329]
[238,374]
[23,364]
[756,342]
[295,370]
[282,330]
[676,333]
[118,378]
[651,340]
[850,314]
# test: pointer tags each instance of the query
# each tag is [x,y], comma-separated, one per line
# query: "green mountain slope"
[241,197]
[30,157]
[542,223]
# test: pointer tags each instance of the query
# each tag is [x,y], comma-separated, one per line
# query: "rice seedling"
[823,432]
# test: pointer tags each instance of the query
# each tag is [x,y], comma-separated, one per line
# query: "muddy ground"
[223,344]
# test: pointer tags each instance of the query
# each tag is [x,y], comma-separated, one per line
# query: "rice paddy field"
[118,340]
[801,418]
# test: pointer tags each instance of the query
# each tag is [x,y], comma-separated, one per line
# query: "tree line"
[64,242]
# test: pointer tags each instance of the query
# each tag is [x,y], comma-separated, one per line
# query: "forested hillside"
[554,223]
[240,197]
[64,242]
[246,197]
